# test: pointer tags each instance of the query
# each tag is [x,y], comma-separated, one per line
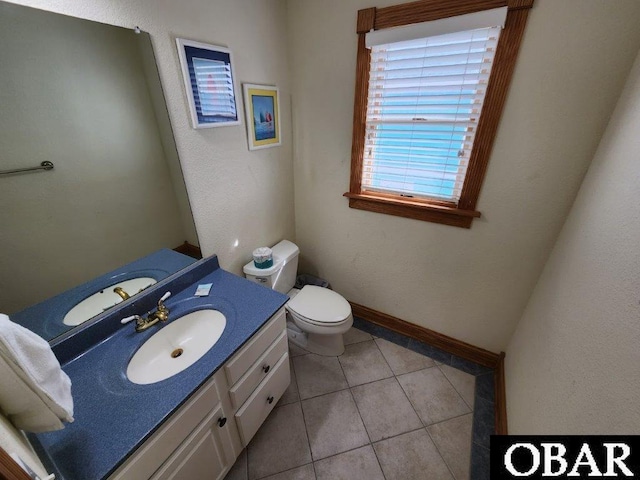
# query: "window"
[428,100]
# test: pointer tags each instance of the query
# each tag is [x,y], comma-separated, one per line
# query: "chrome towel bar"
[46,165]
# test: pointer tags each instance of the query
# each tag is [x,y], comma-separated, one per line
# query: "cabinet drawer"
[264,399]
[258,371]
[241,361]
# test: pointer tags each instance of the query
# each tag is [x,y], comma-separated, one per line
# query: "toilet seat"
[320,306]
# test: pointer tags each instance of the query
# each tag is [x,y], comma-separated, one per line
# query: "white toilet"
[317,317]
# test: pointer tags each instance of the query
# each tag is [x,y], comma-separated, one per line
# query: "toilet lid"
[320,305]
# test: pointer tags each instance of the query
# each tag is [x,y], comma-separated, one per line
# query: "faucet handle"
[130,319]
[164,297]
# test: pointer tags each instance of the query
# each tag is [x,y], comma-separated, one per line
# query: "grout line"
[306,432]
[441,456]
[384,358]
[452,418]
[360,415]
[456,390]
[287,470]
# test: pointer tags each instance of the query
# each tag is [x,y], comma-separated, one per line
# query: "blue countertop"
[113,416]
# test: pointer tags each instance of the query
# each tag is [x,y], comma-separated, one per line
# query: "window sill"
[418,210]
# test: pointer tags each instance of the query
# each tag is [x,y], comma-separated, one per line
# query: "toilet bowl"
[317,317]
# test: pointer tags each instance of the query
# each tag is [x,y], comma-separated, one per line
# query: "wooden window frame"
[463,213]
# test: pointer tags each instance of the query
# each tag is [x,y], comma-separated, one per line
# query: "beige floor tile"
[453,439]
[432,395]
[305,472]
[360,464]
[333,424]
[354,335]
[363,363]
[239,469]
[411,456]
[280,444]
[402,360]
[291,394]
[463,382]
[317,375]
[385,409]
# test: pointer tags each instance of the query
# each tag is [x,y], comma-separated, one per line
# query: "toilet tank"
[282,275]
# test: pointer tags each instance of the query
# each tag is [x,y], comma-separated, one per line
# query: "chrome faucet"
[160,315]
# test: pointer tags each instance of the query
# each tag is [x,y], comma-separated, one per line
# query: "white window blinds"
[214,84]
[424,103]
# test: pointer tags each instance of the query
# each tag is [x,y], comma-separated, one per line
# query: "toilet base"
[327,345]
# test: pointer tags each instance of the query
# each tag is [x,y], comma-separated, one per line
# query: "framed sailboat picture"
[262,109]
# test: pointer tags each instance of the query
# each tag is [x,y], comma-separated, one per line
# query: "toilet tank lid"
[283,252]
[251,269]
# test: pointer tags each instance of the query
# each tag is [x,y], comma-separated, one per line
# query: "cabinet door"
[201,456]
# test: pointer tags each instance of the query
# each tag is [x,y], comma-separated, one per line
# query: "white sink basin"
[104,299]
[177,346]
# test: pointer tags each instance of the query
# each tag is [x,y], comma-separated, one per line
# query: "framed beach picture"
[262,109]
[209,80]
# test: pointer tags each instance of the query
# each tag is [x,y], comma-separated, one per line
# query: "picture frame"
[209,80]
[262,110]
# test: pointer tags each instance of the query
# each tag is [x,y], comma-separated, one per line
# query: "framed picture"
[262,110]
[210,84]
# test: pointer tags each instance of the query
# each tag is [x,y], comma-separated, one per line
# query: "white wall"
[240,199]
[572,364]
[469,284]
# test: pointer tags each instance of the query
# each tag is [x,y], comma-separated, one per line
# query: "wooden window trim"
[462,214]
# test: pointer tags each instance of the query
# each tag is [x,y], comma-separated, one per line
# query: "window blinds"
[424,103]
[212,79]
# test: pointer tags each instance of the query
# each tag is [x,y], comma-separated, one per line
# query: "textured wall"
[572,364]
[469,284]
[240,199]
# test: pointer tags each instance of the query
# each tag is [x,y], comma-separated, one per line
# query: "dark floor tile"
[432,352]
[469,367]
[485,386]
[382,332]
[484,421]
[479,463]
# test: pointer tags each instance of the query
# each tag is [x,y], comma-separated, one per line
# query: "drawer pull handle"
[266,368]
[222,422]
[270,400]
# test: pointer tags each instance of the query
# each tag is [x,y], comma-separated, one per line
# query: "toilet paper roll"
[263,257]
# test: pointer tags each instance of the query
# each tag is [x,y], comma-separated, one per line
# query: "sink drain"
[176,353]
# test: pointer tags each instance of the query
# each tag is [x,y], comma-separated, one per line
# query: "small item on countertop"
[203,289]
[263,257]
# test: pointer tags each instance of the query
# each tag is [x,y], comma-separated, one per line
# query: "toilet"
[317,317]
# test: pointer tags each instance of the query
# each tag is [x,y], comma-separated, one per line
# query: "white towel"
[35,394]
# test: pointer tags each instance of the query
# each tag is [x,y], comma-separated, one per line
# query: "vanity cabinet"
[258,375]
[203,425]
[201,455]
[204,438]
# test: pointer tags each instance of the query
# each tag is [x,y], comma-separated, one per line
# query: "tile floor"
[388,408]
